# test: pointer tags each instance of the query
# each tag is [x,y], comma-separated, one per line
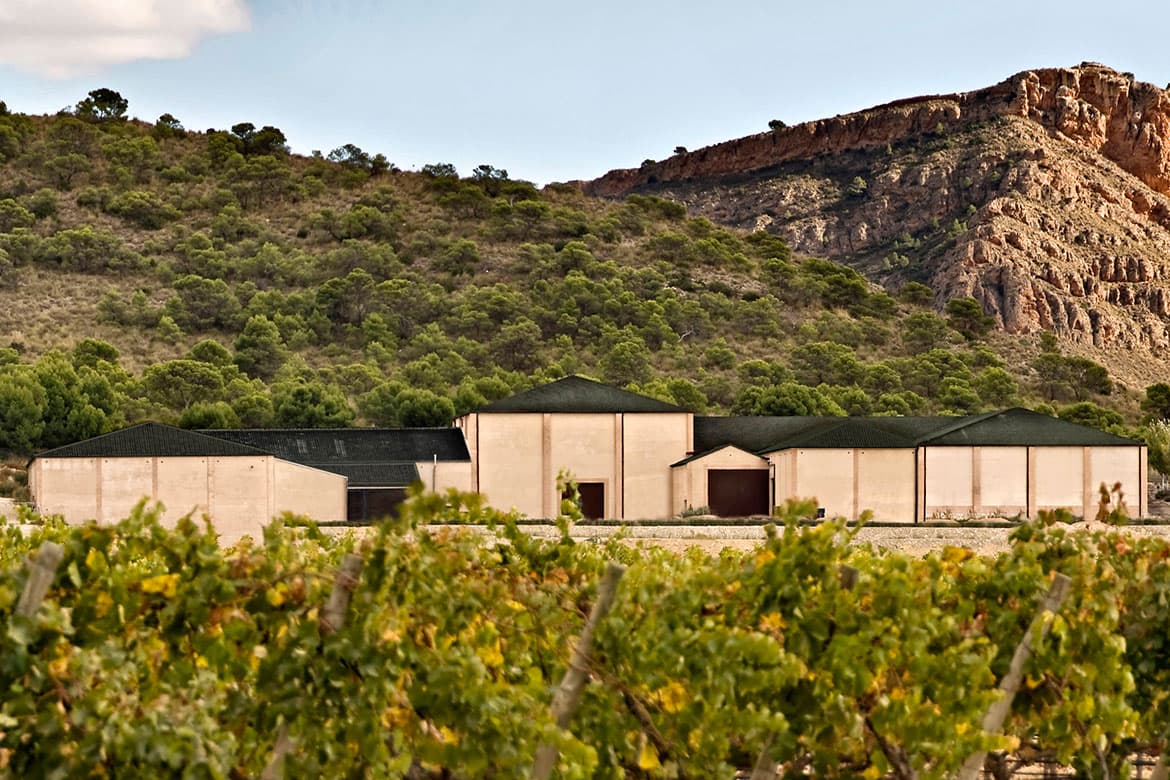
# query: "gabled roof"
[578,394]
[321,447]
[704,454]
[1020,428]
[151,439]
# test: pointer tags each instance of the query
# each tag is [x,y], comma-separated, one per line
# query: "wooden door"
[738,492]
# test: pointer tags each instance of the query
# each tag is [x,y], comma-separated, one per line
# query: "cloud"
[65,38]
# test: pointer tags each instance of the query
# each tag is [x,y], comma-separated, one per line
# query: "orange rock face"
[1044,197]
[1125,120]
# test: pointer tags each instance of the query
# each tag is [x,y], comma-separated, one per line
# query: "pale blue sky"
[548,90]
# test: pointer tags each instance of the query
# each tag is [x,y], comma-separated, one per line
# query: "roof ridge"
[592,397]
[969,420]
[171,430]
[819,424]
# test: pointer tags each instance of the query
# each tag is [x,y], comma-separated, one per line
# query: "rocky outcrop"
[1044,197]
[1125,120]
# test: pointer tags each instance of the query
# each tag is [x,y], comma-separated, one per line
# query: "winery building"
[632,457]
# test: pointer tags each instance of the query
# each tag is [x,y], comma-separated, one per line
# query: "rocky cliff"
[1044,196]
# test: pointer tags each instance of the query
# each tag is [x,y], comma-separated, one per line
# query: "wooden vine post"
[332,621]
[568,694]
[42,570]
[997,713]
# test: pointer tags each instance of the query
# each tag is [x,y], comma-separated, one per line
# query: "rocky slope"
[1044,197]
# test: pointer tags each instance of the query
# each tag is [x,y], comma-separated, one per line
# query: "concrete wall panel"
[182,488]
[510,451]
[1110,465]
[826,475]
[308,491]
[124,482]
[241,495]
[885,484]
[444,475]
[1003,480]
[948,481]
[585,446]
[651,443]
[67,487]
[1059,477]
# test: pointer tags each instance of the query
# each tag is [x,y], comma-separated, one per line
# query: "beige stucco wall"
[182,487]
[651,443]
[1110,465]
[948,481]
[827,476]
[302,490]
[885,484]
[66,487]
[846,482]
[509,457]
[692,477]
[1059,478]
[1002,481]
[444,475]
[240,494]
[518,456]
[585,446]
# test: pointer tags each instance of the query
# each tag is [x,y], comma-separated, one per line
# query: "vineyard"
[139,651]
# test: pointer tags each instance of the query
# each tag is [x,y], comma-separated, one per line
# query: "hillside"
[1044,197]
[213,279]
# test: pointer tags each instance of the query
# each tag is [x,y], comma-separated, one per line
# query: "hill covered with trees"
[214,279]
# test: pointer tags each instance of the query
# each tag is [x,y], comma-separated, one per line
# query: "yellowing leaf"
[164,584]
[765,557]
[672,697]
[59,666]
[275,596]
[396,717]
[648,757]
[773,622]
[491,655]
[871,773]
[962,728]
[104,602]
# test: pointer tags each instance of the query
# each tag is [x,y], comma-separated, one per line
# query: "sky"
[550,90]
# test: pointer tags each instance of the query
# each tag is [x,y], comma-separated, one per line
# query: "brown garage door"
[738,492]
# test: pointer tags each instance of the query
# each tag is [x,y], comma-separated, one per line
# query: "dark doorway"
[738,492]
[592,499]
[365,506]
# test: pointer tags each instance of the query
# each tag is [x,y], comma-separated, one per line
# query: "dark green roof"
[848,432]
[1011,427]
[577,394]
[1021,428]
[367,475]
[322,446]
[151,439]
[748,433]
